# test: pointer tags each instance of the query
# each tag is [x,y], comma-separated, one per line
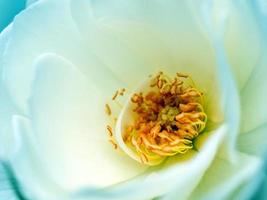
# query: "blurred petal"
[242,42]
[254,142]
[69,122]
[9,187]
[254,107]
[7,179]
[29,2]
[32,179]
[6,107]
[28,40]
[226,176]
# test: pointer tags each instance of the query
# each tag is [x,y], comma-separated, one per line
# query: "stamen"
[115,95]
[181,75]
[122,91]
[168,118]
[108,109]
[110,132]
[114,144]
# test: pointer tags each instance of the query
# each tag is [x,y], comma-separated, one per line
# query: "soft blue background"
[8,9]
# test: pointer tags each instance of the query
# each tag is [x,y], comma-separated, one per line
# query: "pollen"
[168,117]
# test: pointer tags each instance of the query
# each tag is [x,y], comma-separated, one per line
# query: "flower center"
[168,117]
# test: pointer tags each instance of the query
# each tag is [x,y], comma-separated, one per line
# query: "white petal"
[6,105]
[58,34]
[30,172]
[242,42]
[223,177]
[254,108]
[29,2]
[69,121]
[215,21]
[177,173]
[252,48]
[135,42]
[46,26]
[253,98]
[254,141]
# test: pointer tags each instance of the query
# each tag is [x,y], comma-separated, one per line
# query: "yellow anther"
[168,118]
[108,110]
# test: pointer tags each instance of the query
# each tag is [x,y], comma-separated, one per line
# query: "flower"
[61,61]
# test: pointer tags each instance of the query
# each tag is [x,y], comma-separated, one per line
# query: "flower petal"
[254,108]
[68,118]
[6,105]
[253,96]
[32,179]
[253,142]
[28,40]
[135,42]
[29,2]
[224,177]
[243,50]
[176,173]
[215,20]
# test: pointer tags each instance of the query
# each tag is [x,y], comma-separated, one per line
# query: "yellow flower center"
[168,118]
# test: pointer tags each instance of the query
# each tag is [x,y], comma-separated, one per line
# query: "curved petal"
[253,96]
[227,177]
[253,142]
[254,108]
[6,106]
[183,176]
[58,34]
[133,44]
[8,186]
[213,16]
[7,183]
[243,50]
[135,38]
[29,2]
[29,39]
[128,50]
[32,179]
[70,128]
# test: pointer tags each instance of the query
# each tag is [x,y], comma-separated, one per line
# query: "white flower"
[62,60]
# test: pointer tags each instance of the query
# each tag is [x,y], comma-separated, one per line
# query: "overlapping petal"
[66,70]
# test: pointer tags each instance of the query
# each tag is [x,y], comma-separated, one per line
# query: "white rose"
[61,61]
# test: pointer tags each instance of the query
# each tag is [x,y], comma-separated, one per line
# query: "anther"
[167,119]
[114,144]
[115,95]
[109,130]
[108,110]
